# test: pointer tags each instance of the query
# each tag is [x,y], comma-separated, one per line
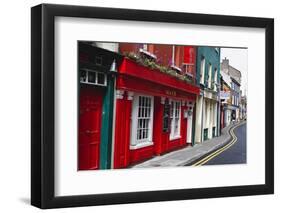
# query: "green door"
[205,134]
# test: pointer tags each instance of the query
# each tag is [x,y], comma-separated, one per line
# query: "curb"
[229,138]
[197,155]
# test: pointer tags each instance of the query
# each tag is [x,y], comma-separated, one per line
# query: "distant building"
[226,100]
[243,108]
[235,76]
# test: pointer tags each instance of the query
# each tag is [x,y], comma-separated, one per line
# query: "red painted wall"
[122,132]
[123,156]
[129,47]
[135,71]
[157,125]
[164,53]
[190,53]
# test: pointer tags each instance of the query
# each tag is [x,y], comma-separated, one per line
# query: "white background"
[15,106]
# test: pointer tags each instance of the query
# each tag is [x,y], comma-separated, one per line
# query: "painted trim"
[175,138]
[141,145]
[134,119]
[119,94]
[106,125]
[178,135]
[113,126]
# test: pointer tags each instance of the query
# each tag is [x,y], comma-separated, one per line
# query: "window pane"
[83,76]
[101,78]
[172,110]
[139,111]
[144,119]
[92,77]
[98,60]
[175,121]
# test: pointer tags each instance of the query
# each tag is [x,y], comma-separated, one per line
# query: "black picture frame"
[43,117]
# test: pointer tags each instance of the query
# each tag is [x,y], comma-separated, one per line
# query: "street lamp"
[113,66]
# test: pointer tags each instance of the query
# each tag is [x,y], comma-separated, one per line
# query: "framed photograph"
[136,106]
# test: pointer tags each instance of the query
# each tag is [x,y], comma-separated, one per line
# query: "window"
[142,120]
[202,70]
[98,60]
[145,47]
[173,55]
[175,119]
[210,76]
[166,112]
[214,115]
[215,79]
[146,53]
[93,77]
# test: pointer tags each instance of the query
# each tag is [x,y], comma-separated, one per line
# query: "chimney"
[224,65]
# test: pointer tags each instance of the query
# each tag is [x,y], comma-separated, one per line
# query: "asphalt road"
[236,154]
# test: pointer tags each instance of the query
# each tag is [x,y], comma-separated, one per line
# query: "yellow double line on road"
[220,150]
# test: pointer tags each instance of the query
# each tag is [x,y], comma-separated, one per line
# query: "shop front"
[153,113]
[96,95]
[210,122]
[227,115]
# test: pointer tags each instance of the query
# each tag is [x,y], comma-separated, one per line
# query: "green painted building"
[207,104]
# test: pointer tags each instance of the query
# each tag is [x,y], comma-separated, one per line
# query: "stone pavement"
[188,155]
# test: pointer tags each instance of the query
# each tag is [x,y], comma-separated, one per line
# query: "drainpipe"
[202,117]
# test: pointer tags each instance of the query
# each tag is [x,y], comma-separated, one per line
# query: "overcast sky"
[238,58]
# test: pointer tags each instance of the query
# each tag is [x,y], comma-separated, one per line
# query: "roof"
[226,78]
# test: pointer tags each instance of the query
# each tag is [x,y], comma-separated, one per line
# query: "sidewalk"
[189,155]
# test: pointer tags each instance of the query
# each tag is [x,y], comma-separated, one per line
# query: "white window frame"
[145,47]
[96,77]
[210,68]
[173,56]
[202,69]
[175,135]
[136,143]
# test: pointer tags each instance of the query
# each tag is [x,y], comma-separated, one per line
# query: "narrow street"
[235,154]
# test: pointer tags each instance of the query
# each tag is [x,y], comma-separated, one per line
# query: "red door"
[89,128]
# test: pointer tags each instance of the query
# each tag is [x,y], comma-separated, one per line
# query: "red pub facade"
[153,109]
